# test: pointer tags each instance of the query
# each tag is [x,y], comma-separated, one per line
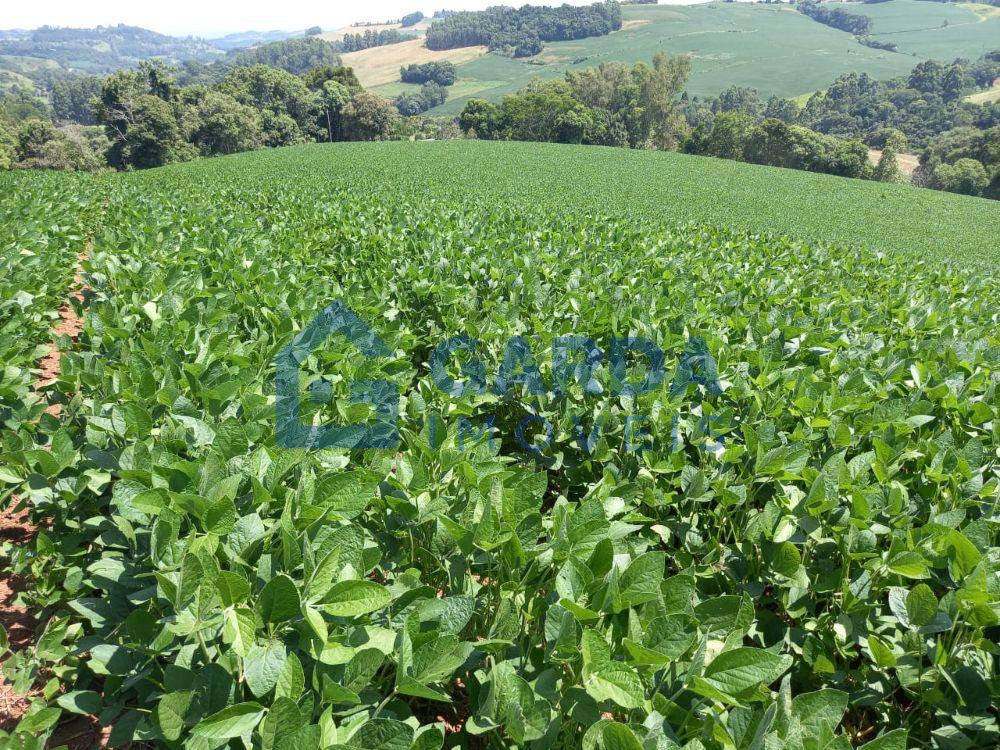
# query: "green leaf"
[605,679]
[235,721]
[81,702]
[263,666]
[406,685]
[353,598]
[346,494]
[239,630]
[283,719]
[908,564]
[881,652]
[921,605]
[894,740]
[171,712]
[815,709]
[291,680]
[610,735]
[785,460]
[963,557]
[640,583]
[786,559]
[279,600]
[744,668]
[382,734]
[232,587]
[428,737]
[221,517]
[37,722]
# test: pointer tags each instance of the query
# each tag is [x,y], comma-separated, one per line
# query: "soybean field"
[638,461]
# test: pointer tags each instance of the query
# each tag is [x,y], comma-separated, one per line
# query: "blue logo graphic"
[518,369]
[383,395]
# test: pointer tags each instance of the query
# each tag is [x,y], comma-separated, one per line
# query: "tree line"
[643,106]
[853,23]
[358,42]
[925,112]
[103,49]
[430,95]
[838,18]
[520,32]
[442,72]
[614,104]
[154,115]
[144,118]
[922,105]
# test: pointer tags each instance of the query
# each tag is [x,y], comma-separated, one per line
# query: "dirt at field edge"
[84,732]
[70,324]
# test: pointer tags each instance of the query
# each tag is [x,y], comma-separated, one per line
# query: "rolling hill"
[772,48]
[666,187]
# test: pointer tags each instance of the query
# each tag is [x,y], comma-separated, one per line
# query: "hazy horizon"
[190,18]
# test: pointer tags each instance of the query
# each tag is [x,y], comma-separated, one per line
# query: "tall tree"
[660,89]
[368,117]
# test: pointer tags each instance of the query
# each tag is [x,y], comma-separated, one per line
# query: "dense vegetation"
[678,189]
[801,555]
[726,52]
[149,120]
[640,107]
[43,224]
[838,18]
[614,104]
[297,56]
[520,32]
[924,112]
[774,142]
[243,39]
[411,19]
[430,95]
[442,72]
[359,41]
[922,105]
[291,55]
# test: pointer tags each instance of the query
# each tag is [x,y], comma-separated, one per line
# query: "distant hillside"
[42,56]
[770,47]
[243,39]
[103,49]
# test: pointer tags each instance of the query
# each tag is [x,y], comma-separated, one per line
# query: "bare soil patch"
[70,324]
[20,626]
[14,524]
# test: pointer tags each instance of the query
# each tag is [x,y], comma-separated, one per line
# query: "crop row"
[44,221]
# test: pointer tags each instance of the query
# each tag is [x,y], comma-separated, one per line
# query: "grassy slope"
[989,95]
[942,31]
[772,48]
[674,188]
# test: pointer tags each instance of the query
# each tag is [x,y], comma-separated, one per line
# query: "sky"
[219,17]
